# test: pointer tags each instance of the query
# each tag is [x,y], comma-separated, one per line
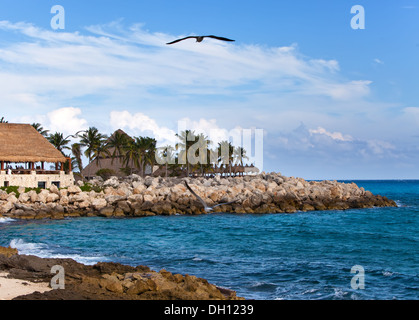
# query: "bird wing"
[220,38]
[198,197]
[225,203]
[181,39]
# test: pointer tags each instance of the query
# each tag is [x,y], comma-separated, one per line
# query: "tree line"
[191,155]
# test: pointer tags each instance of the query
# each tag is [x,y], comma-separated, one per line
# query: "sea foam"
[42,250]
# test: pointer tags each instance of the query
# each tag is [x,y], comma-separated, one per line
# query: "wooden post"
[62,166]
[42,165]
[69,165]
[2,165]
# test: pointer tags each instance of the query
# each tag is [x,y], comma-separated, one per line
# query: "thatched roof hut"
[23,143]
[115,164]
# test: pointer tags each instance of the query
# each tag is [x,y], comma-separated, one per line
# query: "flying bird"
[206,207]
[200,39]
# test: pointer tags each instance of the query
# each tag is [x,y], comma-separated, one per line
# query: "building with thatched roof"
[115,164]
[24,156]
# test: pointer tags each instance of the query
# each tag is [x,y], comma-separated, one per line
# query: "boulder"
[99,204]
[8,252]
[24,197]
[54,189]
[74,189]
[21,189]
[107,211]
[3,195]
[52,197]
[12,198]
[6,207]
[112,182]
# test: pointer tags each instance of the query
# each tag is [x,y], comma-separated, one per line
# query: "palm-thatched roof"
[23,143]
[107,162]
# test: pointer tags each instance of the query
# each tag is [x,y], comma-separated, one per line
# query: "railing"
[26,171]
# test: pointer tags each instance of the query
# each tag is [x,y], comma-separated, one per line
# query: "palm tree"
[101,151]
[225,150]
[76,151]
[40,129]
[117,142]
[239,154]
[199,152]
[131,154]
[147,149]
[3,121]
[187,140]
[168,155]
[58,141]
[91,139]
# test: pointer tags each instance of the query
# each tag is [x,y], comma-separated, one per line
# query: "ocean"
[300,256]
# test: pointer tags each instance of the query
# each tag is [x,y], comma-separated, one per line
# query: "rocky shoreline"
[106,281]
[135,196]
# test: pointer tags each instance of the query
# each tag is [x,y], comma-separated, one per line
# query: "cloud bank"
[112,76]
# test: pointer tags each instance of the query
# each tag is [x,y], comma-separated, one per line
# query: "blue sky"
[334,103]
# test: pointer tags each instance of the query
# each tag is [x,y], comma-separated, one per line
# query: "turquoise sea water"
[271,256]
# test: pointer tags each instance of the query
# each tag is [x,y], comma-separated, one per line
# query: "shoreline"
[30,278]
[11,288]
[135,196]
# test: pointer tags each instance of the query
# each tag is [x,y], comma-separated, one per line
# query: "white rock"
[24,197]
[12,198]
[74,189]
[99,203]
[52,197]
[21,189]
[54,189]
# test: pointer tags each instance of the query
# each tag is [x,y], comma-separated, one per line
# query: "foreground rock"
[108,281]
[135,197]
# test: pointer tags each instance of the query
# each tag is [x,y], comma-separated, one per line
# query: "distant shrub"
[105,173]
[14,189]
[87,187]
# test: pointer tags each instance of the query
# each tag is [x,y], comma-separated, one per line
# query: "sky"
[332,101]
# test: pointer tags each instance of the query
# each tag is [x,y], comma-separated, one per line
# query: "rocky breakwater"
[108,281]
[135,197]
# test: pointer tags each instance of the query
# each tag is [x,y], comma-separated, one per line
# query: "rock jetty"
[135,196]
[107,281]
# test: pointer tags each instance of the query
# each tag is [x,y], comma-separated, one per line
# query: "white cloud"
[141,124]
[63,120]
[412,113]
[210,128]
[113,61]
[66,120]
[378,147]
[334,135]
[334,145]
[211,85]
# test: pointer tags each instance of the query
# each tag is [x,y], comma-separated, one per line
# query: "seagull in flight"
[200,39]
[206,207]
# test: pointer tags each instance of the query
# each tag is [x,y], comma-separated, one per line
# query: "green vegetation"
[136,153]
[105,173]
[14,189]
[87,187]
